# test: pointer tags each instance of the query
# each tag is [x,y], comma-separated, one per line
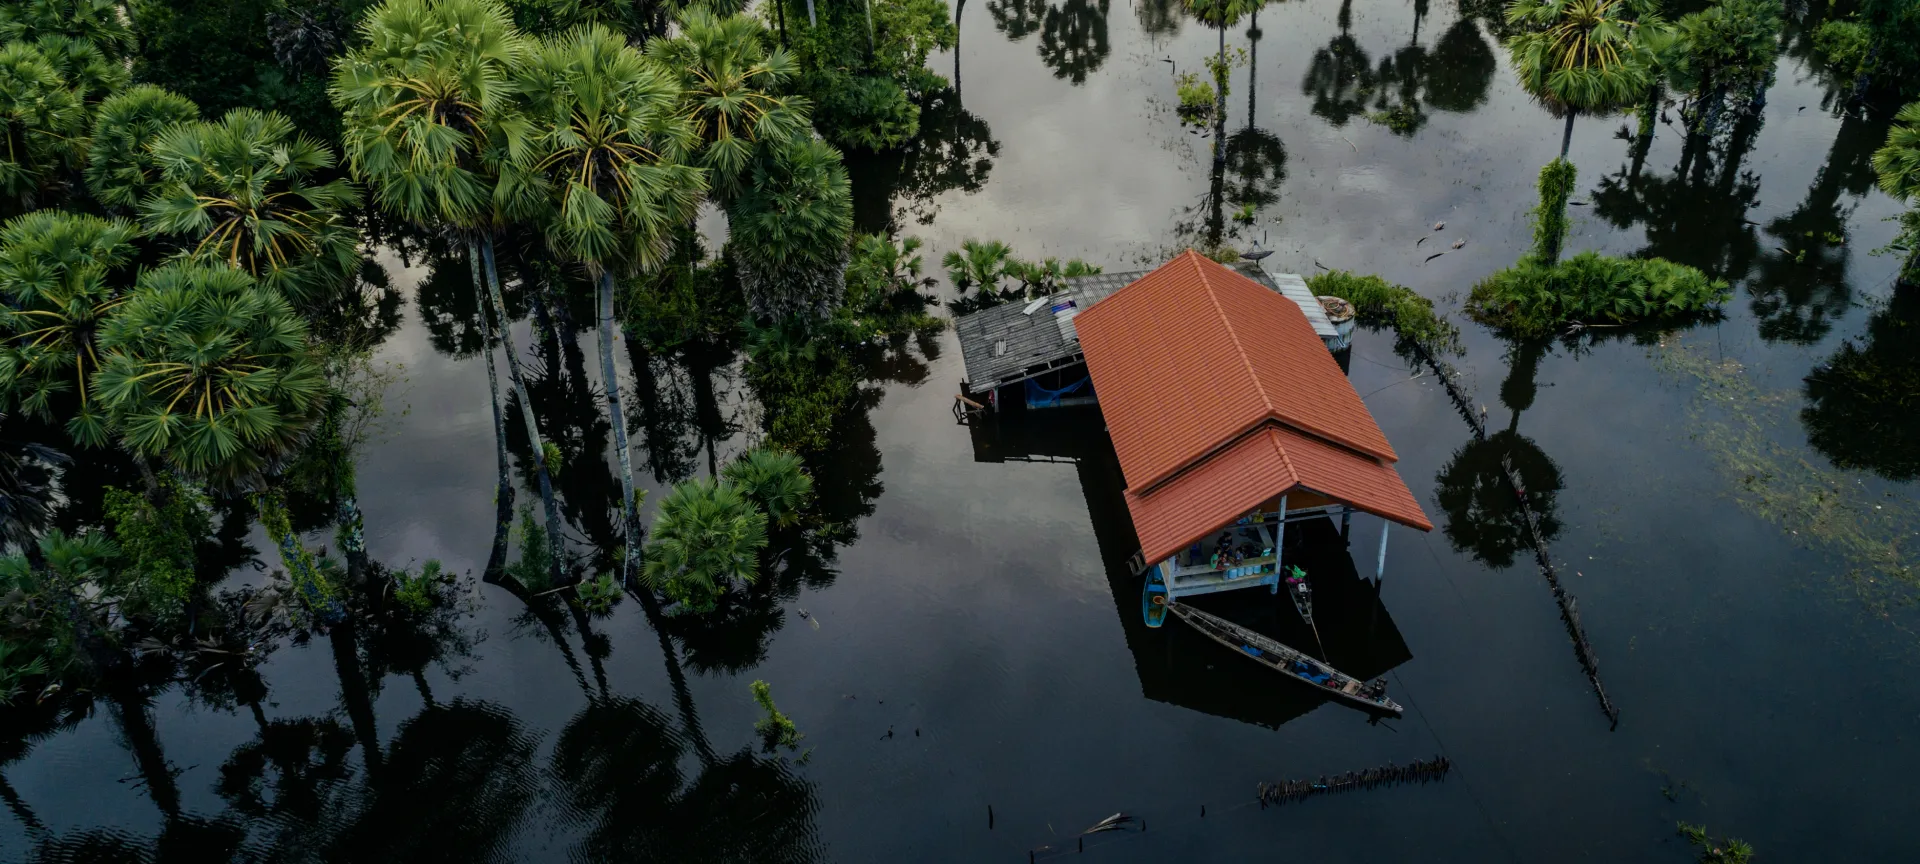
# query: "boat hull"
[1293,664]
[1153,599]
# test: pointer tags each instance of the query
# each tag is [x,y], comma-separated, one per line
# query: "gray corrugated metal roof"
[1005,344]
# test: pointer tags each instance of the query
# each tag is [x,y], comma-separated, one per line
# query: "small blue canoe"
[1153,598]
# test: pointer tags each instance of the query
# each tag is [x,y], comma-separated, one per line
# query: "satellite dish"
[1257,254]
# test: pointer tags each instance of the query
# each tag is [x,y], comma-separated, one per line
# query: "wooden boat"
[1293,664]
[1302,595]
[1153,599]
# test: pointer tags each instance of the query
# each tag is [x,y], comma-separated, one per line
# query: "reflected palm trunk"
[503,490]
[355,692]
[130,712]
[18,807]
[554,525]
[958,7]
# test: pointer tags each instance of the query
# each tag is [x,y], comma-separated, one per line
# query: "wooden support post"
[1380,569]
[1346,518]
[1279,548]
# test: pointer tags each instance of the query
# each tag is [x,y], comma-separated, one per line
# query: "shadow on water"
[1483,518]
[1863,402]
[1175,664]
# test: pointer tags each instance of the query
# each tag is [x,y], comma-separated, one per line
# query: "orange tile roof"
[1194,355]
[1273,460]
[1218,395]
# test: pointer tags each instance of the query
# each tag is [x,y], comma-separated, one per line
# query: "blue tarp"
[1041,397]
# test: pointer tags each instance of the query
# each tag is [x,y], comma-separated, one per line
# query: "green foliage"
[791,228]
[610,140]
[773,478]
[1043,277]
[862,111]
[731,75]
[1377,302]
[638,18]
[97,22]
[1897,165]
[1222,13]
[426,108]
[863,86]
[1845,44]
[1534,298]
[221,54]
[418,592]
[42,120]
[62,278]
[44,599]
[884,282]
[708,535]
[248,191]
[1723,851]
[1895,29]
[685,299]
[91,74]
[210,371]
[1197,98]
[121,169]
[158,542]
[979,265]
[775,728]
[599,595]
[554,458]
[1550,223]
[314,586]
[534,567]
[1728,47]
[1579,55]
[804,380]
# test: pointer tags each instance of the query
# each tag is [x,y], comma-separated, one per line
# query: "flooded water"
[1731,505]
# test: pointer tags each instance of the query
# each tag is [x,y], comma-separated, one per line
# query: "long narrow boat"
[1293,664]
[1302,596]
[1154,599]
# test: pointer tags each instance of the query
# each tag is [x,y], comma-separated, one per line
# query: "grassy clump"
[1723,851]
[1379,303]
[775,729]
[1535,298]
[1844,43]
[599,595]
[418,592]
[1550,217]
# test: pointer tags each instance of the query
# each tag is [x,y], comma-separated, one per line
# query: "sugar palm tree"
[611,145]
[248,191]
[792,230]
[774,479]
[92,74]
[430,127]
[211,372]
[1898,166]
[99,22]
[729,78]
[1579,55]
[1221,14]
[42,123]
[121,168]
[978,264]
[58,275]
[707,535]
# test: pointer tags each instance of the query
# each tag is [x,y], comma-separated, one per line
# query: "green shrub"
[775,728]
[1534,298]
[1197,98]
[1379,303]
[599,595]
[1844,44]
[417,592]
[534,567]
[157,546]
[862,111]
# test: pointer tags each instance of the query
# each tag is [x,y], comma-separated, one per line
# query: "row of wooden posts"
[1294,790]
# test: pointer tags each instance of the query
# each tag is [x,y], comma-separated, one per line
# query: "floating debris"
[1433,256]
[1294,790]
[1460,243]
[1439,225]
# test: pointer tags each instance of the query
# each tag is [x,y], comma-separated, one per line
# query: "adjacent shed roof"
[1218,394]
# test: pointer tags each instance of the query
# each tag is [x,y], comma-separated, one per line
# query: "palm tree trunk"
[307,581]
[618,415]
[554,525]
[958,8]
[812,20]
[503,491]
[1220,100]
[1566,138]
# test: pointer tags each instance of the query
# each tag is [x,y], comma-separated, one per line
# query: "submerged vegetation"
[1379,303]
[1533,298]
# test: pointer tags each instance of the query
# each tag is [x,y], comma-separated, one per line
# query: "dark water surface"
[979,609]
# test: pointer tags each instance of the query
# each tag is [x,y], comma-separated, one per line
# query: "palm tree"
[729,79]
[707,534]
[92,74]
[792,229]
[1898,166]
[57,273]
[978,264]
[1221,14]
[1727,49]
[42,123]
[121,168]
[248,191]
[1579,55]
[611,145]
[430,128]
[99,22]
[774,479]
[212,372]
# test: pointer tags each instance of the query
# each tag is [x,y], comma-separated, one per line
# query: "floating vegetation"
[1726,850]
[775,729]
[1873,535]
[1379,303]
[1294,790]
[1197,98]
[1537,298]
[599,595]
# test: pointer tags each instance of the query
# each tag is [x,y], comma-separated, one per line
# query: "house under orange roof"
[1220,397]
